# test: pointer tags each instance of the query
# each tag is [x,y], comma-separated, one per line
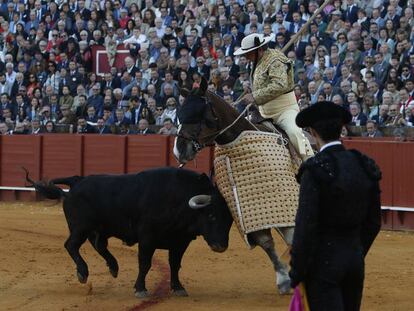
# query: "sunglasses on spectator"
[54,35]
[307,60]
[160,109]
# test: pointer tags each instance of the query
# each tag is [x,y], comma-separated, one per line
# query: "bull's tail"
[69,181]
[48,189]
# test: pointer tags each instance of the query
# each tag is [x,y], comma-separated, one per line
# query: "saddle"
[267,125]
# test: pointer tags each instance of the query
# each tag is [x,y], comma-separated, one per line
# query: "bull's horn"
[199,201]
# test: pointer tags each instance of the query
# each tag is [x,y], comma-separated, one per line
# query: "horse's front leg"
[264,239]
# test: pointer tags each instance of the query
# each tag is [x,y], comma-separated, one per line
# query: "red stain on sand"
[161,291]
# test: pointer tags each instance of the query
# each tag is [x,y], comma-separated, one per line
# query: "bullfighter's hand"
[248,99]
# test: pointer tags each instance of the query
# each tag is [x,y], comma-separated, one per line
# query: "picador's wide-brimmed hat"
[322,111]
[251,43]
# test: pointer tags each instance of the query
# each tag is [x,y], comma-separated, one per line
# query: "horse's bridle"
[197,146]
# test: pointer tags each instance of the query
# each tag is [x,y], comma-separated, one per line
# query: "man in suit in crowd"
[351,13]
[358,117]
[372,130]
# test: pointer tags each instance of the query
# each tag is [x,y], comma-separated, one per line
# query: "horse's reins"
[222,131]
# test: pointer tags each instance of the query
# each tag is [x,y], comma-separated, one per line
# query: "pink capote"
[299,301]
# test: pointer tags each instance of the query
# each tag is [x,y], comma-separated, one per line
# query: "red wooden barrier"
[144,152]
[104,154]
[61,155]
[18,152]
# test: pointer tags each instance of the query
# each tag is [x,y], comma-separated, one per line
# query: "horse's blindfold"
[193,110]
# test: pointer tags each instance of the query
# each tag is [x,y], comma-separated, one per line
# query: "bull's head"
[215,219]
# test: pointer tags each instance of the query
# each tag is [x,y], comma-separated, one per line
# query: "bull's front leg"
[145,254]
[72,245]
[174,257]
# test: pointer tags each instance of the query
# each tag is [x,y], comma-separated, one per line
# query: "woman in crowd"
[53,77]
[184,81]
[92,80]
[32,84]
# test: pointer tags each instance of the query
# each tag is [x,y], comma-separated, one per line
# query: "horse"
[205,118]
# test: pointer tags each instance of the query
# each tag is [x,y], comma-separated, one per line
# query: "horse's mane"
[220,102]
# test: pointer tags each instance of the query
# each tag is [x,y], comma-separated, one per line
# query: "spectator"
[84,127]
[394,116]
[19,129]
[68,117]
[35,127]
[143,127]
[101,127]
[372,130]
[358,117]
[171,110]
[50,127]
[168,128]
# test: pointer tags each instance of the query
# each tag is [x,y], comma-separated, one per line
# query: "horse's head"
[198,124]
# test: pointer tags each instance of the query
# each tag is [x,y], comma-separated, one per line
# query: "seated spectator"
[35,127]
[168,128]
[101,127]
[171,110]
[19,129]
[91,115]
[108,116]
[143,127]
[394,116]
[358,117]
[84,127]
[120,117]
[68,117]
[50,127]
[4,129]
[125,129]
[372,130]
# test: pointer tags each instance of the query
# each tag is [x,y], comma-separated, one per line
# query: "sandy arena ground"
[36,273]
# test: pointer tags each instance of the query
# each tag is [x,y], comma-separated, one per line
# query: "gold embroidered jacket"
[273,76]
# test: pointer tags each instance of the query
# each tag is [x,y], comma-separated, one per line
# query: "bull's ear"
[184,92]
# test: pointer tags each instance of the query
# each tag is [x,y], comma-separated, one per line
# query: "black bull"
[151,208]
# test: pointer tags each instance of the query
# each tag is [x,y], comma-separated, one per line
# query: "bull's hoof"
[180,292]
[82,278]
[113,272]
[141,294]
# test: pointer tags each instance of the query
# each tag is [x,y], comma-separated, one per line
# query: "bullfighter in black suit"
[339,214]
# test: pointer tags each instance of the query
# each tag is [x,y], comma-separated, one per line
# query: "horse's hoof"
[113,272]
[82,278]
[141,294]
[284,288]
[180,292]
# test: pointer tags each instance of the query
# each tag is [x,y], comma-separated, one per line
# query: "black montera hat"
[322,111]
